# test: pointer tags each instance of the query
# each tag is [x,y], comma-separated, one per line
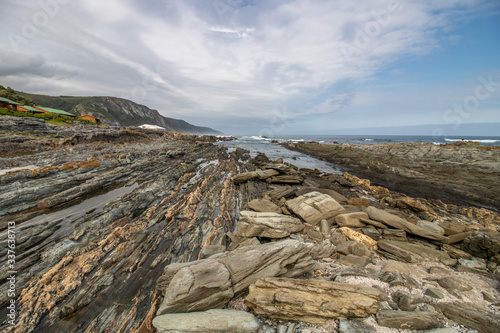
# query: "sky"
[268,67]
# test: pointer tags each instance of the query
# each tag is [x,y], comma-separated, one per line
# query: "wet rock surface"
[118,227]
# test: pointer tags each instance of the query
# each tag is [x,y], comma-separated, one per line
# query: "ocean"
[260,144]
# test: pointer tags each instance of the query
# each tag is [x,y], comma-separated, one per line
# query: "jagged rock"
[399,279]
[362,202]
[455,253]
[351,220]
[408,252]
[399,223]
[394,234]
[355,326]
[417,207]
[371,232]
[245,176]
[434,293]
[282,192]
[431,226]
[271,225]
[312,301]
[471,315]
[353,260]
[314,207]
[263,205]
[212,282]
[358,237]
[452,228]
[483,244]
[209,321]
[453,283]
[394,266]
[264,174]
[406,301]
[374,223]
[353,247]
[335,195]
[415,320]
[286,179]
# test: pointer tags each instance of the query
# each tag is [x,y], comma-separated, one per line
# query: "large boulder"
[471,315]
[407,252]
[313,301]
[215,321]
[264,205]
[399,223]
[212,282]
[313,207]
[483,243]
[351,220]
[270,225]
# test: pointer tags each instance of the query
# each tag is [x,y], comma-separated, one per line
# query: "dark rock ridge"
[118,111]
[133,230]
[463,173]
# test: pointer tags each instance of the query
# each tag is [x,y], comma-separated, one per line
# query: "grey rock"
[354,261]
[351,220]
[431,226]
[355,326]
[399,279]
[453,283]
[394,234]
[353,247]
[434,293]
[407,252]
[271,225]
[415,320]
[406,301]
[263,205]
[471,315]
[483,244]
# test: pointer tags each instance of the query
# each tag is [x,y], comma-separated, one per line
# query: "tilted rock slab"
[471,315]
[414,320]
[399,223]
[313,301]
[210,283]
[313,207]
[210,321]
[408,252]
[266,224]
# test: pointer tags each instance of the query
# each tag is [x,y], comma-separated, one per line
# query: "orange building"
[93,119]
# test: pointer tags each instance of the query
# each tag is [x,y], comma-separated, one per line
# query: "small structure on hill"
[27,108]
[147,126]
[9,104]
[93,119]
[51,110]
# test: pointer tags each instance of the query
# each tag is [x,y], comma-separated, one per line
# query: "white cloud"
[228,58]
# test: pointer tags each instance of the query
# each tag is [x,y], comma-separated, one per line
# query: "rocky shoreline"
[133,230]
[463,173]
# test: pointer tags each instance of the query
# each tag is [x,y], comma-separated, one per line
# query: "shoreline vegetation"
[127,229]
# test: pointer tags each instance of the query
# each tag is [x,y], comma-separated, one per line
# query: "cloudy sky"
[266,67]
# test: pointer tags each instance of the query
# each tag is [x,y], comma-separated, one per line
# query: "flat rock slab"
[313,207]
[264,205]
[351,220]
[209,321]
[470,315]
[413,320]
[245,176]
[313,301]
[453,283]
[270,225]
[412,253]
[399,223]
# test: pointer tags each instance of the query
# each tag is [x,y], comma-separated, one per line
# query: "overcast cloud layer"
[268,67]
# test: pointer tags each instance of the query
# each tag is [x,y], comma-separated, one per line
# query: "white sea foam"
[474,140]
